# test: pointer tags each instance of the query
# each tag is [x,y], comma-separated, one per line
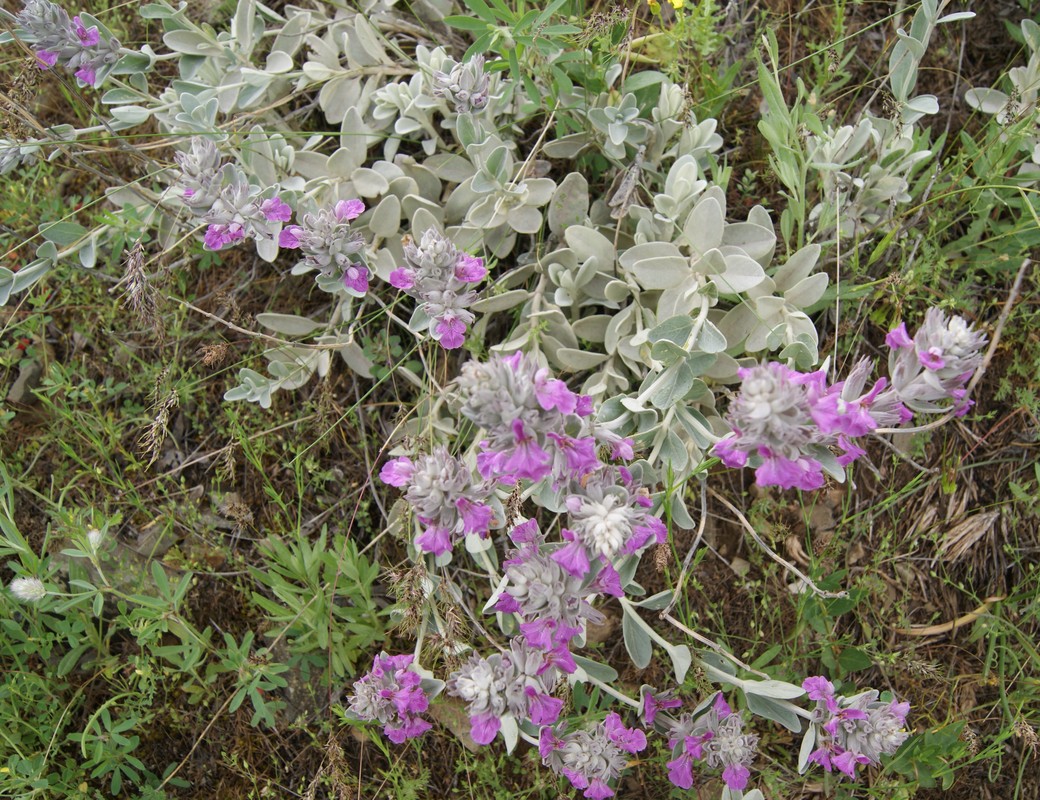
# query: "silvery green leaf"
[135,63]
[577,360]
[781,690]
[712,262]
[120,95]
[656,602]
[681,657]
[131,115]
[705,225]
[6,285]
[510,732]
[192,43]
[655,265]
[672,453]
[385,220]
[369,183]
[288,324]
[267,249]
[254,388]
[468,131]
[242,25]
[617,291]
[757,241]
[924,104]
[450,167]
[291,37]
[675,382]
[356,360]
[592,328]
[989,101]
[680,514]
[500,302]
[710,338]
[567,147]
[344,162]
[595,669]
[797,268]
[371,40]
[88,253]
[637,639]
[569,206]
[773,710]
[807,291]
[741,273]
[63,234]
[589,243]
[675,329]
[524,219]
[804,353]
[806,749]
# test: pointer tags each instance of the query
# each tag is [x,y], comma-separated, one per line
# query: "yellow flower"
[655,7]
[676,4]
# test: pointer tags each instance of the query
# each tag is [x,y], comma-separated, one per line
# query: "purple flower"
[355,278]
[484,728]
[437,274]
[470,269]
[853,731]
[402,278]
[717,736]
[57,38]
[933,369]
[451,333]
[276,210]
[515,684]
[87,74]
[289,238]
[217,236]
[446,499]
[820,689]
[591,758]
[657,701]
[573,557]
[329,246]
[87,38]
[397,472]
[346,210]
[898,338]
[631,740]
[392,694]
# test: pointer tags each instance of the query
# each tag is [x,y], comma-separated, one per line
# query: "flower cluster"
[590,758]
[59,39]
[467,86]
[934,367]
[221,196]
[718,737]
[437,275]
[536,425]
[517,684]
[329,245]
[445,498]
[391,694]
[787,424]
[853,731]
[609,516]
[551,602]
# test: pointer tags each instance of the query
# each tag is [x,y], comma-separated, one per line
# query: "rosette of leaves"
[620,125]
[499,200]
[865,172]
[1019,107]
